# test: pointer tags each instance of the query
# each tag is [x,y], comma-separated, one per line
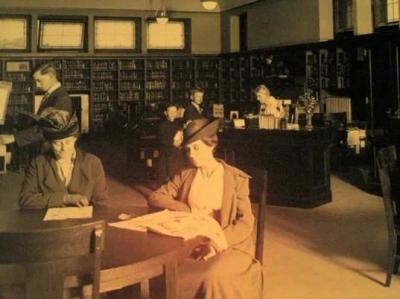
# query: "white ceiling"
[176,5]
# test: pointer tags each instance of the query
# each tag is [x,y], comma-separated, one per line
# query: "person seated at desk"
[170,136]
[55,96]
[214,188]
[66,175]
[268,104]
[194,109]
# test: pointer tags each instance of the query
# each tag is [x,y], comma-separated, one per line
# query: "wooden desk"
[129,257]
[297,162]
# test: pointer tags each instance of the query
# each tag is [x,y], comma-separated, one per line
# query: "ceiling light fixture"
[161,16]
[209,4]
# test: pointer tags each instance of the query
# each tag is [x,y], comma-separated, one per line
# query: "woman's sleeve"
[166,197]
[242,226]
[100,191]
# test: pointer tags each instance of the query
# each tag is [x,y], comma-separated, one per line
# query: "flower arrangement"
[308,101]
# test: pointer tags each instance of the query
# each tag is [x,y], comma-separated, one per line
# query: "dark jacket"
[58,99]
[172,159]
[192,113]
[42,187]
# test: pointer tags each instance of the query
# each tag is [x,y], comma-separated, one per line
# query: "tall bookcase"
[104,91]
[157,80]
[207,77]
[76,75]
[20,73]
[312,71]
[183,79]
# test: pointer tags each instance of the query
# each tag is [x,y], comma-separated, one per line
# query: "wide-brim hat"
[200,128]
[58,124]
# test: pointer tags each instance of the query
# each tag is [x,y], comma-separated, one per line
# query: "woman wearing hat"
[215,188]
[66,175]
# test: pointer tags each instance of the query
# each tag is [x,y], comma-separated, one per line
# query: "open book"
[178,224]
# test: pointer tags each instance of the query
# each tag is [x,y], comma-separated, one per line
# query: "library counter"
[297,162]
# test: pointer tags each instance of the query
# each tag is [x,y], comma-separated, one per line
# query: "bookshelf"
[183,75]
[245,89]
[76,75]
[157,80]
[207,77]
[312,73]
[21,97]
[342,69]
[225,81]
[104,90]
[131,80]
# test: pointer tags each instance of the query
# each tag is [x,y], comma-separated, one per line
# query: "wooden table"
[129,257]
[297,162]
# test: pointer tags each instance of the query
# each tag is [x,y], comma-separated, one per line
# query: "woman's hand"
[76,200]
[201,250]
[178,138]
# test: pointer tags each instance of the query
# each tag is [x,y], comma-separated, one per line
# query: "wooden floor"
[334,251]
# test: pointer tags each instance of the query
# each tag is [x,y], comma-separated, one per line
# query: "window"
[386,12]
[14,33]
[343,15]
[62,34]
[173,36]
[120,34]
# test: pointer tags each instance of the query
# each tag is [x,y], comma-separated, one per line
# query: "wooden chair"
[259,202]
[258,195]
[386,162]
[42,263]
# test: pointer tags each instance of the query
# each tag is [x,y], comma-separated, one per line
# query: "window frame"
[187,32]
[63,19]
[337,28]
[385,25]
[138,34]
[28,32]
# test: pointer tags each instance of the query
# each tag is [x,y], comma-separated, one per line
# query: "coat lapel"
[227,197]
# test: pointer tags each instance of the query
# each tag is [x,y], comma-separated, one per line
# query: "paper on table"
[68,213]
[178,224]
[141,223]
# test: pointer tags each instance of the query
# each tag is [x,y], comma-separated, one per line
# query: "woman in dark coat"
[66,175]
[214,188]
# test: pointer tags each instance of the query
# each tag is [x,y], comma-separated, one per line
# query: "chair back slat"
[262,199]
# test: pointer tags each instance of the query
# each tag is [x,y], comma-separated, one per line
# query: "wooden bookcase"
[157,80]
[127,84]
[207,77]
[20,73]
[183,80]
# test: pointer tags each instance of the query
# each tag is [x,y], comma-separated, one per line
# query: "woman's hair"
[262,87]
[211,140]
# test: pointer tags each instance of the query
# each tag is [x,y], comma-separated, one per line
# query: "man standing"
[55,96]
[194,110]
[172,158]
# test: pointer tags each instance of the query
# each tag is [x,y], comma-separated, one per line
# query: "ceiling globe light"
[162,18]
[209,4]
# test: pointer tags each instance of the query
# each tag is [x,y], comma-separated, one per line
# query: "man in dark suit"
[55,96]
[170,135]
[194,110]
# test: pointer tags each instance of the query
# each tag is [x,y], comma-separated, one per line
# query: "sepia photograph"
[199,149]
